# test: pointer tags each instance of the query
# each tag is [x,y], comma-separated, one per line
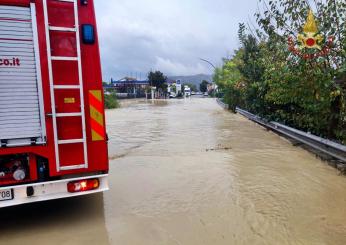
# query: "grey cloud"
[139,35]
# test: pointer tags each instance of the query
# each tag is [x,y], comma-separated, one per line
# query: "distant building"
[171,81]
[129,85]
[212,87]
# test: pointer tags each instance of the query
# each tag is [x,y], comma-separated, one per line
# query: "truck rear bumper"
[50,190]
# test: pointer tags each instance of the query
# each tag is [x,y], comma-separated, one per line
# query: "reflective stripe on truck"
[96,115]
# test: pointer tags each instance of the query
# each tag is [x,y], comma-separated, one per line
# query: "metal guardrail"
[330,148]
[223,105]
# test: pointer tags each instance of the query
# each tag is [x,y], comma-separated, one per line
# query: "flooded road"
[186,172]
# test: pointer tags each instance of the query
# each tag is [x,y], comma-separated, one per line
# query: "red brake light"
[83,185]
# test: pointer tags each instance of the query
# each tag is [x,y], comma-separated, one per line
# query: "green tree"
[319,78]
[203,87]
[231,82]
[252,69]
[158,79]
[266,78]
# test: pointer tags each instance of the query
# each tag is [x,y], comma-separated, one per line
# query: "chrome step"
[73,141]
[66,87]
[57,28]
[77,114]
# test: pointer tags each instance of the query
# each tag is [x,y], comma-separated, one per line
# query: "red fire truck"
[53,141]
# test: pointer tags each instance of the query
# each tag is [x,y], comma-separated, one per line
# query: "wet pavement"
[188,172]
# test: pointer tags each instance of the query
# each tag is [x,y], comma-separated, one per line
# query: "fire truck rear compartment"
[21,120]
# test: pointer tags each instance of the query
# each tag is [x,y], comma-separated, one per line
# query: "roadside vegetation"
[111,101]
[159,80]
[267,77]
[203,87]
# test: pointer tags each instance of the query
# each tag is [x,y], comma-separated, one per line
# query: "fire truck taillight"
[83,185]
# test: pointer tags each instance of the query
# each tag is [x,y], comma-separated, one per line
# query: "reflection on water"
[77,220]
[186,172]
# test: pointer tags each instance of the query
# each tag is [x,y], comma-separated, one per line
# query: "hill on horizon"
[194,79]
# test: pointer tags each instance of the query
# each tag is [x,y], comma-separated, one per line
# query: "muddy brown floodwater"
[185,172]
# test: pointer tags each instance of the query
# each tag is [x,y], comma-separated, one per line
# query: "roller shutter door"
[20,85]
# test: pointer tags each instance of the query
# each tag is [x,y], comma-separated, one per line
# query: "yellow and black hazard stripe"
[96,115]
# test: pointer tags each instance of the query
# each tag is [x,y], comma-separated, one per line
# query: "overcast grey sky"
[168,35]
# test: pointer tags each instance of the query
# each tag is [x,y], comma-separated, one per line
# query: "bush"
[266,78]
[111,101]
